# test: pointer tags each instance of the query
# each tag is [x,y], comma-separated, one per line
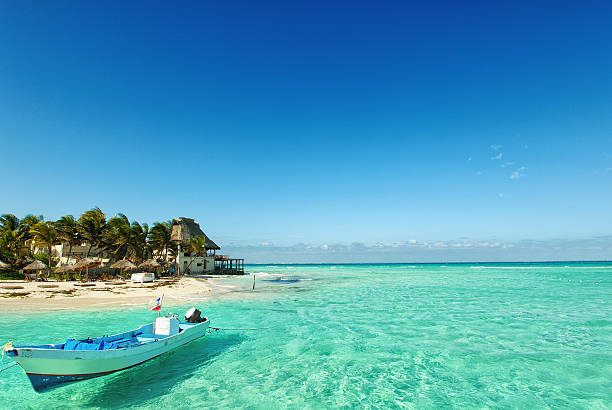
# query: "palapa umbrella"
[4,265]
[35,266]
[150,264]
[123,264]
[64,268]
[86,264]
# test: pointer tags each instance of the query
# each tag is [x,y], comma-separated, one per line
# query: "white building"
[68,255]
[183,231]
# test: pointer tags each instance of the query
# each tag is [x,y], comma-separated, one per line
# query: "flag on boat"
[158,303]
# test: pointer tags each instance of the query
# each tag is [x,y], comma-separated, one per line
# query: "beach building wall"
[196,264]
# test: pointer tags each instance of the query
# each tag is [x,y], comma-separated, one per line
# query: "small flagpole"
[160,305]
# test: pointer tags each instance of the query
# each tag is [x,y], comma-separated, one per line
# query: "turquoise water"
[372,336]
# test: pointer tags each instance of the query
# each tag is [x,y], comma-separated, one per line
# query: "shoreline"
[59,296]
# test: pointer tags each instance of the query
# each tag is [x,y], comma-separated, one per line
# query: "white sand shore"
[20,295]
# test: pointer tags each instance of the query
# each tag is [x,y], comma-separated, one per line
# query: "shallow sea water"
[366,336]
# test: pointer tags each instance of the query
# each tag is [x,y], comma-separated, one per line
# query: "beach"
[58,295]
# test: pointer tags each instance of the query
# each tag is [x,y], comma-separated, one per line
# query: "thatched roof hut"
[185,229]
[36,265]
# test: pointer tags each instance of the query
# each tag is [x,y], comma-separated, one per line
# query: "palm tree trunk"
[69,252]
[89,250]
[50,253]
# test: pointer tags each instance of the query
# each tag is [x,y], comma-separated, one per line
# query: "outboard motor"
[193,316]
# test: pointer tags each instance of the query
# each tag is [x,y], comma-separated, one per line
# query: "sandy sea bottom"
[378,336]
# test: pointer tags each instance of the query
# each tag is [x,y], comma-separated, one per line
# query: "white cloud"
[518,173]
[497,157]
[487,244]
[496,147]
[506,164]
[396,244]
[461,249]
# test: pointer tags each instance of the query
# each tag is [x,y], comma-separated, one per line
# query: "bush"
[44,258]
[4,275]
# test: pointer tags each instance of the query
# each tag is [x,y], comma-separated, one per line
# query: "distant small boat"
[49,366]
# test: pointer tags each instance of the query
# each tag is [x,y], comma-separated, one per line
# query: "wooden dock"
[228,266]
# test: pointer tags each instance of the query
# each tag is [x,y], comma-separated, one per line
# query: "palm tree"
[119,236]
[9,222]
[127,240]
[68,232]
[27,223]
[92,227]
[198,245]
[140,246]
[45,234]
[11,238]
[160,237]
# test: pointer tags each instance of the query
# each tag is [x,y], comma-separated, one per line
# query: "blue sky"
[281,126]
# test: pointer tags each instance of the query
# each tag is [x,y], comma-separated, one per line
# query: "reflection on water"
[158,377]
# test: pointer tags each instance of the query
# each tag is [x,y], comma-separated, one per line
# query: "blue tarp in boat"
[72,344]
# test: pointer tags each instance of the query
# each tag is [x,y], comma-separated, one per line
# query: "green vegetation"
[45,234]
[198,245]
[22,240]
[7,275]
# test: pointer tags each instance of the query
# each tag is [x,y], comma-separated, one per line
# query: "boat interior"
[143,335]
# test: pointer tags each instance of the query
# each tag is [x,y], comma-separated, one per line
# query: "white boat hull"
[49,368]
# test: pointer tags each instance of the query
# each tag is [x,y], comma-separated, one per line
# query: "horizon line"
[429,263]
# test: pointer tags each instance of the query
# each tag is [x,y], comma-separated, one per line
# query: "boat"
[52,365]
